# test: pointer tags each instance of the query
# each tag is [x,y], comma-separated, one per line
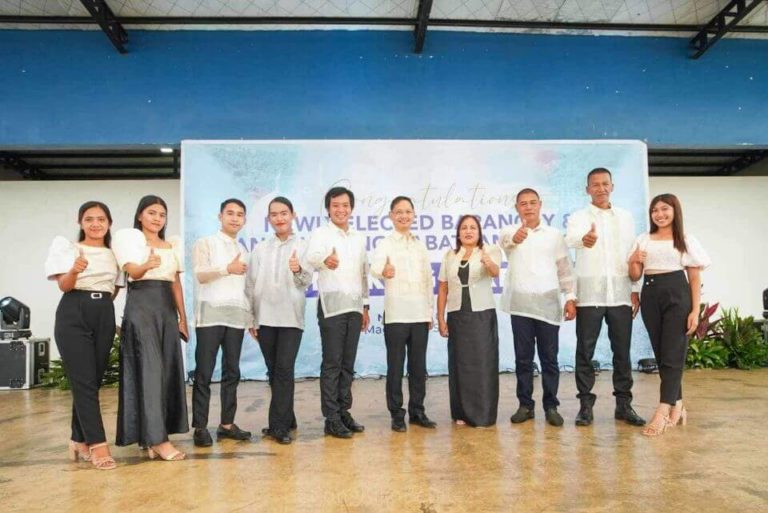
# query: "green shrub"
[746,346]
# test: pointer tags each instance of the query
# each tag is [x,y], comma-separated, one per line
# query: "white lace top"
[662,256]
[99,276]
[130,246]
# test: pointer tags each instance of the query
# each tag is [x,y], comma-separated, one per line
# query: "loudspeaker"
[23,363]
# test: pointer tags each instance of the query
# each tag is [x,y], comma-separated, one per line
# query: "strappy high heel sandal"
[101,462]
[654,429]
[76,453]
[174,455]
[678,417]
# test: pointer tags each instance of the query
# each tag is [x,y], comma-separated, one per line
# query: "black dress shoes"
[423,421]
[627,414]
[202,438]
[351,424]
[398,424]
[521,415]
[281,437]
[234,433]
[336,428]
[584,417]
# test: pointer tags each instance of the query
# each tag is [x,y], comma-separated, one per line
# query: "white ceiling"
[682,12]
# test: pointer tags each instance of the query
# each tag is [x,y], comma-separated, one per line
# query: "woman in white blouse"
[152,399]
[85,325]
[669,302]
[276,284]
[465,290]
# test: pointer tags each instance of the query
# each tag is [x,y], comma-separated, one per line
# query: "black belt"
[91,294]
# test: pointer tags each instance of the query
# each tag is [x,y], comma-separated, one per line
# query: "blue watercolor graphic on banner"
[445,178]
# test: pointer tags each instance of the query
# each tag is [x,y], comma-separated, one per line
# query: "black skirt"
[152,399]
[473,366]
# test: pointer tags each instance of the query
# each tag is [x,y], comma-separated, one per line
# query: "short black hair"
[335,192]
[398,199]
[597,171]
[527,190]
[281,199]
[232,200]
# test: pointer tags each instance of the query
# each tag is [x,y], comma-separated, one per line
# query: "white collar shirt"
[278,295]
[344,289]
[220,298]
[409,295]
[539,271]
[602,272]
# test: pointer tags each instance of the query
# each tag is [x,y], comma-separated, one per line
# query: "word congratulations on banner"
[445,179]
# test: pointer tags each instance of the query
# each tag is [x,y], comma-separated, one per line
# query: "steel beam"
[107,20]
[721,24]
[422,20]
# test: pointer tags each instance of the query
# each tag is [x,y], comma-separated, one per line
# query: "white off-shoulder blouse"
[101,273]
[662,256]
[130,247]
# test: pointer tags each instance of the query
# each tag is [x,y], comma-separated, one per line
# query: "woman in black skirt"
[152,401]
[466,292]
[85,325]
[669,302]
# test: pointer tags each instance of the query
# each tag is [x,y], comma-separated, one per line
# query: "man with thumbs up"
[538,274]
[402,262]
[602,235]
[222,313]
[338,252]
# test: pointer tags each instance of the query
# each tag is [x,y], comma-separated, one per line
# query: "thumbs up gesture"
[389,270]
[293,263]
[81,263]
[332,260]
[236,266]
[485,259]
[590,238]
[638,257]
[522,233]
[153,262]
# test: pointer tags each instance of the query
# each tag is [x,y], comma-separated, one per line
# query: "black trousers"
[400,337]
[666,304]
[339,336]
[528,335]
[280,347]
[209,339]
[84,332]
[589,322]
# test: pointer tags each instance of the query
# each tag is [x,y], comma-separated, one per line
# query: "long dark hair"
[458,231]
[148,201]
[87,206]
[678,233]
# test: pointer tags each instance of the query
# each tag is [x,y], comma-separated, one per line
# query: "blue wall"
[71,87]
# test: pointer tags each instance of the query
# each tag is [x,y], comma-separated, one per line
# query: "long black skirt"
[473,366]
[152,400]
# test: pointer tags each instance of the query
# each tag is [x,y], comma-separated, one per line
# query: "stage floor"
[719,462]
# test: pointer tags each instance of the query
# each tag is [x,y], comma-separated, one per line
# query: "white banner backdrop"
[445,178]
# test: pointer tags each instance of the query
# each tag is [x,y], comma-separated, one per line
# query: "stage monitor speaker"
[23,363]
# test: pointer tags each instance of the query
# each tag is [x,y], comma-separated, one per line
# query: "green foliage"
[746,346]
[730,341]
[56,377]
[706,354]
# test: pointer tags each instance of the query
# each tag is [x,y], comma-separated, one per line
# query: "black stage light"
[765,304]
[596,365]
[647,365]
[15,314]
